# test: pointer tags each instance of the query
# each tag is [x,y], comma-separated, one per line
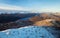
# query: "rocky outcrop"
[48,22]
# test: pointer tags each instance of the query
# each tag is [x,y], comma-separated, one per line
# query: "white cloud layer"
[11,7]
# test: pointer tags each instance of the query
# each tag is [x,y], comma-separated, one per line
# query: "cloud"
[52,9]
[11,7]
[47,9]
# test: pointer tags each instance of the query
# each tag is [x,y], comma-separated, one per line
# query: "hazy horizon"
[31,5]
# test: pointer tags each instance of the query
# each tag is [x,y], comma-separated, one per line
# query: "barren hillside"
[42,19]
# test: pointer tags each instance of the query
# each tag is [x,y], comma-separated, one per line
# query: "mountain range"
[17,20]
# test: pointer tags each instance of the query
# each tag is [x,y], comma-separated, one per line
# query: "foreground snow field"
[31,32]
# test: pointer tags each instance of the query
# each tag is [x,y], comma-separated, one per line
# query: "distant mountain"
[43,16]
[2,11]
[45,19]
[17,20]
[5,18]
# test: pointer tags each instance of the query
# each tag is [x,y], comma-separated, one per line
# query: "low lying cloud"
[11,7]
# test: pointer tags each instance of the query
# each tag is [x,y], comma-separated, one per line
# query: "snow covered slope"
[30,32]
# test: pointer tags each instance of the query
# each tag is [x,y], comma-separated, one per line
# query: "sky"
[33,5]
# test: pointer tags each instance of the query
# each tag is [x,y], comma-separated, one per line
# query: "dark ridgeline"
[14,25]
[5,18]
[9,21]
